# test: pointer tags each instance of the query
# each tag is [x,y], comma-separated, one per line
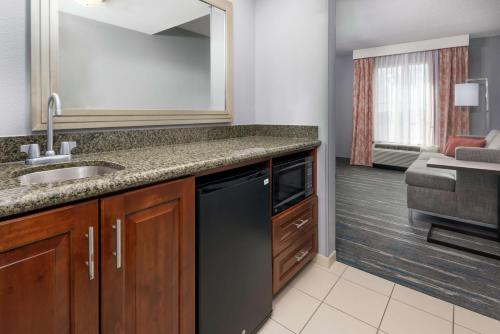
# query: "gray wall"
[105,66]
[485,63]
[343,105]
[244,62]
[331,161]
[291,78]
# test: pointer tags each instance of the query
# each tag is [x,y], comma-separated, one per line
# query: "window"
[405,96]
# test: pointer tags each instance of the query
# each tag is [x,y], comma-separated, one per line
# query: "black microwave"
[292,181]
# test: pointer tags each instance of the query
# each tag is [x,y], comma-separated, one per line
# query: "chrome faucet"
[33,150]
[53,109]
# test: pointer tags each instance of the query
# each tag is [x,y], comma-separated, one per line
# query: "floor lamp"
[467,95]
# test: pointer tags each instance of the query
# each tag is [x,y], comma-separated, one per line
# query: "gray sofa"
[461,195]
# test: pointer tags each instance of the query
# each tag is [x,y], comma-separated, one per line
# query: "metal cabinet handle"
[118,252]
[90,262]
[301,256]
[302,223]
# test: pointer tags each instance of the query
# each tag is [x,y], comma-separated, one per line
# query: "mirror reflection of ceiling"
[146,16]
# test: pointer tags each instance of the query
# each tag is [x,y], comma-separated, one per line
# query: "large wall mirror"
[132,62]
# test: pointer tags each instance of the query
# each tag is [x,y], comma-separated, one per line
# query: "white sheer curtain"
[405,98]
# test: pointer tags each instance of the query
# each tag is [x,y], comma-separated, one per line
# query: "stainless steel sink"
[64,174]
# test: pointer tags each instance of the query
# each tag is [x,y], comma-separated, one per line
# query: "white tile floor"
[345,300]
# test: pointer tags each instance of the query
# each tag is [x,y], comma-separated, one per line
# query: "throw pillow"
[454,142]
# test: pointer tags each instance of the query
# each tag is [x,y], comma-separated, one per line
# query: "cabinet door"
[148,260]
[46,279]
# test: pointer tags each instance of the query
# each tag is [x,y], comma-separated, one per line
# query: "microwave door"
[300,194]
[281,169]
[289,184]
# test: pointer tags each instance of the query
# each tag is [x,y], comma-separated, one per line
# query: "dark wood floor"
[374,234]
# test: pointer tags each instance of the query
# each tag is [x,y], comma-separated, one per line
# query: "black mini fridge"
[234,256]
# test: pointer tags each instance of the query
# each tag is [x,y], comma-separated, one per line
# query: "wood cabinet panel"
[294,258]
[153,289]
[291,224]
[295,240]
[152,248]
[45,285]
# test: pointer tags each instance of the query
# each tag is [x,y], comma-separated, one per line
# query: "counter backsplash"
[106,141]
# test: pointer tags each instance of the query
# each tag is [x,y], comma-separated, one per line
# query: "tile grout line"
[331,272]
[454,323]
[275,320]
[362,286]
[280,324]
[345,269]
[386,307]
[350,315]
[309,319]
[335,308]
[422,310]
[390,297]
[322,301]
[307,294]
[329,290]
[378,292]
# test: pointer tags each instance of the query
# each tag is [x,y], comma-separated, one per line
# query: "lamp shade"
[467,95]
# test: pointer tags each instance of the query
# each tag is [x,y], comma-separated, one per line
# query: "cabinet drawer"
[294,258]
[293,223]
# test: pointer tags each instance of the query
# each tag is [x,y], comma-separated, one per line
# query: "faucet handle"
[67,147]
[32,150]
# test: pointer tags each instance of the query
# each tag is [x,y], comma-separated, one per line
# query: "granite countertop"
[139,167]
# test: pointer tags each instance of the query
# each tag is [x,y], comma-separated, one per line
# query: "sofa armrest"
[477,154]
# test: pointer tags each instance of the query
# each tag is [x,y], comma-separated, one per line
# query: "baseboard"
[325,261]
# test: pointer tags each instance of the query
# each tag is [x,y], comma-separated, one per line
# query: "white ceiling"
[371,23]
[146,16]
[199,26]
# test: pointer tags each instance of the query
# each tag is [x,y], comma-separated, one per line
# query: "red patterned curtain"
[453,69]
[362,118]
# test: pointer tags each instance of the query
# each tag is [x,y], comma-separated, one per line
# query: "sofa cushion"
[429,155]
[494,143]
[491,135]
[419,175]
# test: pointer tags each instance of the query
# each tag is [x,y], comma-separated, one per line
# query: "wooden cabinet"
[123,264]
[46,279]
[50,266]
[292,224]
[148,260]
[294,240]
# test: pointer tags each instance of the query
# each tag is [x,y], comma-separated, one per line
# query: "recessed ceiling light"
[90,3]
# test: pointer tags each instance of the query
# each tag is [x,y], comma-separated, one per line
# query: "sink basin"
[64,174]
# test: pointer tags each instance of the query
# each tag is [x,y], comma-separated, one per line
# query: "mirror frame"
[44,80]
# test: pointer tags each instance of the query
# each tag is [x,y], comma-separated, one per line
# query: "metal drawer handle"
[302,223]
[118,252]
[301,256]
[90,262]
